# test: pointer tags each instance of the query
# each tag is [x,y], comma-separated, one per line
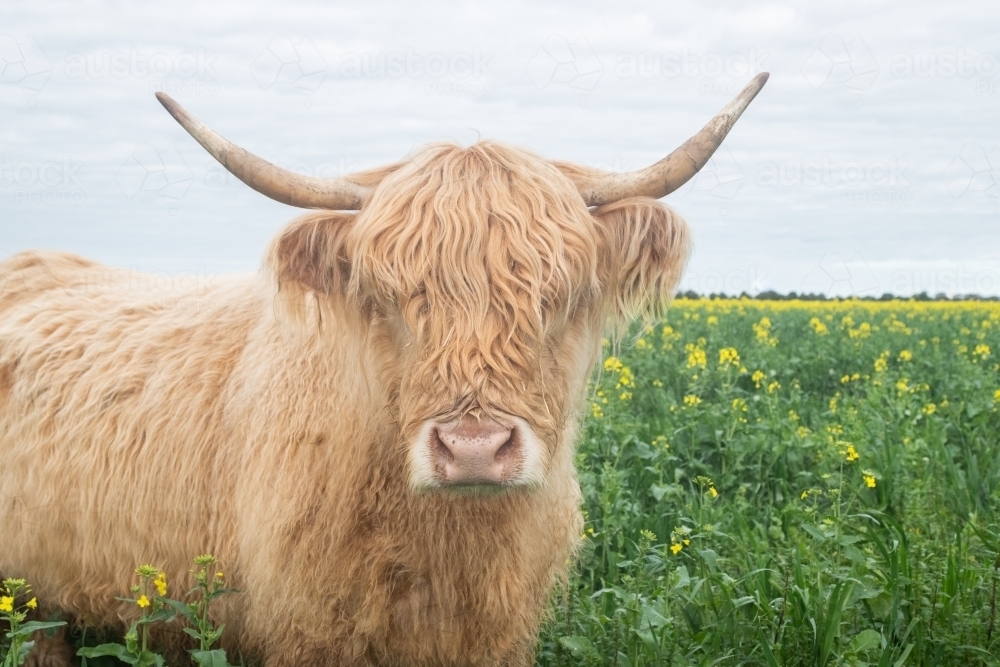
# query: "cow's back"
[111,413]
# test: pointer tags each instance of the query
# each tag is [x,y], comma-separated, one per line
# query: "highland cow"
[375,434]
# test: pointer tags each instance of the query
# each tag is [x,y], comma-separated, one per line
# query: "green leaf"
[902,658]
[181,608]
[831,622]
[866,640]
[652,618]
[30,627]
[222,591]
[814,531]
[160,615]
[149,659]
[768,653]
[23,652]
[216,658]
[580,647]
[114,650]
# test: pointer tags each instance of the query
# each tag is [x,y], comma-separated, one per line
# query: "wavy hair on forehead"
[478,233]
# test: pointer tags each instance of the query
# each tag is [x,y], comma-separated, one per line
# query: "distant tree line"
[771,295]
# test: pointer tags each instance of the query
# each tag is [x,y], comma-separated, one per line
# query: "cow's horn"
[268,179]
[677,168]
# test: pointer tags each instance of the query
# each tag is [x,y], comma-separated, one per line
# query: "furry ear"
[309,255]
[645,246]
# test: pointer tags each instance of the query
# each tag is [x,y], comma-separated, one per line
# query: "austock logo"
[53,182]
[289,63]
[185,73]
[837,62]
[162,173]
[974,172]
[719,73]
[454,73]
[875,182]
[562,63]
[23,64]
[838,275]
[721,179]
[751,280]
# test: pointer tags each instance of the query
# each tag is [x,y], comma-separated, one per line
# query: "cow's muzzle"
[470,451]
[476,452]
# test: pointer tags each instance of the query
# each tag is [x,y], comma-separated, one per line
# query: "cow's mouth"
[476,455]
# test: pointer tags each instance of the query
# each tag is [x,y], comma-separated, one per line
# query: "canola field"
[791,483]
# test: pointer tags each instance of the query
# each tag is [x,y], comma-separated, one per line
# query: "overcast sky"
[868,164]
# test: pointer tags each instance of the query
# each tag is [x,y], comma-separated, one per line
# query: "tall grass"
[791,483]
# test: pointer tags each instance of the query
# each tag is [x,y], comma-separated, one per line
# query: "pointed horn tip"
[172,107]
[756,84]
[165,100]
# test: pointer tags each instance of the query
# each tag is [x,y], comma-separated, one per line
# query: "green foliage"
[16,643]
[150,596]
[791,483]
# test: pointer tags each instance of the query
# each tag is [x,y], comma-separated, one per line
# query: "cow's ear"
[645,246]
[309,254]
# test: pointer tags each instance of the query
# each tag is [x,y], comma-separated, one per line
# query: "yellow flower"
[757,377]
[612,364]
[6,603]
[729,355]
[712,492]
[762,330]
[696,356]
[220,575]
[675,548]
[818,326]
[881,364]
[32,603]
[691,400]
[773,387]
[996,396]
[929,409]
[905,355]
[143,601]
[852,454]
[161,583]
[712,320]
[869,480]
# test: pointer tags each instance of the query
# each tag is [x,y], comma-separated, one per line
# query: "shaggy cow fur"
[266,419]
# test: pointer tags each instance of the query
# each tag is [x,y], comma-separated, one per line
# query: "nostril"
[508,448]
[440,447]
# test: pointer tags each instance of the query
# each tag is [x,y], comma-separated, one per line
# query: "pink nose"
[470,451]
